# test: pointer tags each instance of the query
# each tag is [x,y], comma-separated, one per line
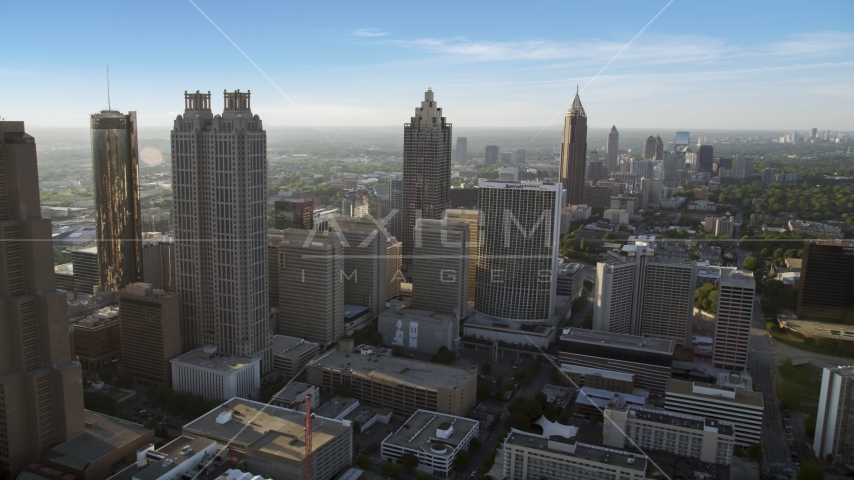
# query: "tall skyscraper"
[732,324]
[827,281]
[659,148]
[219,180]
[395,205]
[521,155]
[365,250]
[814,134]
[440,280]
[706,159]
[613,149]
[426,170]
[517,257]
[311,287]
[115,174]
[573,152]
[462,149]
[293,213]
[471,218]
[834,428]
[41,390]
[491,155]
[649,148]
[158,258]
[638,294]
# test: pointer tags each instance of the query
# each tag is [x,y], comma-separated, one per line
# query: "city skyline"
[728,74]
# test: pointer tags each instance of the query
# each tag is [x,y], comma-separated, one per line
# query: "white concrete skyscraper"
[732,327]
[518,247]
[219,180]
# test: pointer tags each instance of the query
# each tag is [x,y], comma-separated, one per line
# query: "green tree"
[364,462]
[462,460]
[486,368]
[755,451]
[409,462]
[375,339]
[753,264]
[474,445]
[392,470]
[519,421]
[357,447]
[372,448]
[422,476]
[810,471]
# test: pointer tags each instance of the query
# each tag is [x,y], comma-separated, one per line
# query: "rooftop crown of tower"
[236,101]
[197,101]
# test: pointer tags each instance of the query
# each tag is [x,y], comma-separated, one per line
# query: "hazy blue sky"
[700,64]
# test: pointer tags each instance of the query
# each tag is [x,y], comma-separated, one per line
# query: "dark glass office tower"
[573,153]
[706,158]
[426,170]
[115,174]
[827,281]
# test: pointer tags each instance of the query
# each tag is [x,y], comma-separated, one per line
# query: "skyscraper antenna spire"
[576,86]
[108,87]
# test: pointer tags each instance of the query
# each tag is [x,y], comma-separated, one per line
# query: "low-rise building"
[217,376]
[742,409]
[708,440]
[337,408]
[434,438]
[400,384]
[419,330]
[556,457]
[292,354]
[570,279]
[580,376]
[274,443]
[814,228]
[293,396]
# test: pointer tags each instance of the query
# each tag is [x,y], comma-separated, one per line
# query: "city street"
[775,449]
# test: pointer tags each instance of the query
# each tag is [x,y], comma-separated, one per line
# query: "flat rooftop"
[174,457]
[217,361]
[335,406]
[353,311]
[680,420]
[818,329]
[743,397]
[283,344]
[626,377]
[618,340]
[410,372]
[270,429]
[737,278]
[105,435]
[593,453]
[292,391]
[419,432]
[427,315]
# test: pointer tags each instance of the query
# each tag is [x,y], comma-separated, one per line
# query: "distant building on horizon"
[462,149]
[613,149]
[491,157]
[649,148]
[573,153]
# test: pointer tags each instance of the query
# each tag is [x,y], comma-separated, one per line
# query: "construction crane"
[308,437]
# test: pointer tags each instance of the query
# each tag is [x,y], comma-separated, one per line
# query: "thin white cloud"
[369,32]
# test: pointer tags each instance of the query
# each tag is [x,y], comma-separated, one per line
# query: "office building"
[471,218]
[491,155]
[434,438]
[294,395]
[561,456]
[106,442]
[613,149]
[463,196]
[216,375]
[650,360]
[311,286]
[674,166]
[598,378]
[598,196]
[827,276]
[440,279]
[219,181]
[395,205]
[706,158]
[40,384]
[426,172]
[573,152]
[643,169]
[158,260]
[506,158]
[732,325]
[743,166]
[84,260]
[97,339]
[741,408]
[706,439]
[394,262]
[115,175]
[64,276]
[274,446]
[649,148]
[518,247]
[834,428]
[719,225]
[596,172]
[659,148]
[570,279]
[293,213]
[640,295]
[153,220]
[150,333]
[461,151]
[400,384]
[291,354]
[419,330]
[364,274]
[521,155]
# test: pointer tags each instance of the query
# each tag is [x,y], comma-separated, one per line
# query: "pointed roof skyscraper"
[576,109]
[574,152]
